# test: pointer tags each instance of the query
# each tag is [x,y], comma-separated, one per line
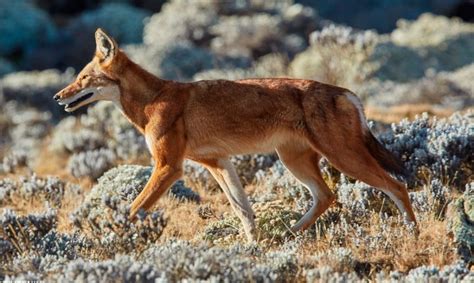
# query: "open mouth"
[79,100]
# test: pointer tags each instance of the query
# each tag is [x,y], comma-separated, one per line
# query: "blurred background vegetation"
[391,53]
[43,34]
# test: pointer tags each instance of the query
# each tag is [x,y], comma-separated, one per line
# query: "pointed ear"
[106,47]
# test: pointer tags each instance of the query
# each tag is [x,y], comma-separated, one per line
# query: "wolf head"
[98,80]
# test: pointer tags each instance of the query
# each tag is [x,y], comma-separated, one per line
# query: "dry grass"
[396,113]
[183,220]
[401,251]
[406,251]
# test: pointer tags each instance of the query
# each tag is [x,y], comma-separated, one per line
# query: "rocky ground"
[66,182]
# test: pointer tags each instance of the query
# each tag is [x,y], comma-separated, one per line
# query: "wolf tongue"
[80,99]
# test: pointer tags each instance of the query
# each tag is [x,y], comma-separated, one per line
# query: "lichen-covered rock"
[461,221]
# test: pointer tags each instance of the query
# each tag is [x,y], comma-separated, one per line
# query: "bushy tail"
[385,158]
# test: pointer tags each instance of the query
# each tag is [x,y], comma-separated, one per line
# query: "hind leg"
[302,162]
[350,147]
[225,174]
[395,190]
[356,161]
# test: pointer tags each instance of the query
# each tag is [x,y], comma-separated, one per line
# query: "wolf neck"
[139,88]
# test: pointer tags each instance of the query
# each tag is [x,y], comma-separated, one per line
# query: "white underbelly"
[227,147]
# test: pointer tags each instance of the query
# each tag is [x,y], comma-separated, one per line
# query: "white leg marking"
[229,181]
[317,193]
[399,204]
[149,142]
[308,216]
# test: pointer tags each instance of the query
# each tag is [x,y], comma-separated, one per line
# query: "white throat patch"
[110,93]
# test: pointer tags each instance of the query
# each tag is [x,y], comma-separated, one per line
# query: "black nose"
[56,97]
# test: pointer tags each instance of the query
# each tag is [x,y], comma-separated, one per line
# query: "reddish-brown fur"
[207,121]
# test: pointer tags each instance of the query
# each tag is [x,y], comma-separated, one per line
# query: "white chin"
[75,107]
[69,109]
[79,102]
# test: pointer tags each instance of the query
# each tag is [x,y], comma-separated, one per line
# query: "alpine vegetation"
[233,143]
